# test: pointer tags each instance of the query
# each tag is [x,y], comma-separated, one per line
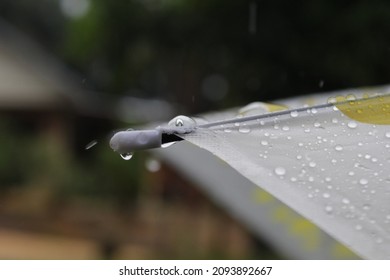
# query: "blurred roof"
[30,78]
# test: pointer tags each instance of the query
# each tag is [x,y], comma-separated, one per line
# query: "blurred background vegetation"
[197,56]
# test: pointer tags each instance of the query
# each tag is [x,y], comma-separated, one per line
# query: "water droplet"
[363,181]
[332,100]
[285,128]
[328,179]
[345,201]
[227,130]
[264,142]
[293,179]
[387,134]
[280,171]
[352,124]
[351,173]
[91,144]
[366,207]
[338,148]
[179,122]
[328,209]
[182,121]
[127,156]
[326,195]
[358,227]
[317,124]
[244,129]
[294,114]
[334,120]
[312,164]
[314,111]
[379,240]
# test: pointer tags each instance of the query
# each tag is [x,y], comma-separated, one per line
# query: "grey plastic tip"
[130,141]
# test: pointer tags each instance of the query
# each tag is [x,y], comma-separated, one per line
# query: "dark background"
[214,54]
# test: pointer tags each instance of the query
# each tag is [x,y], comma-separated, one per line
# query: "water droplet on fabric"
[294,114]
[379,240]
[317,124]
[387,134]
[326,195]
[264,142]
[352,124]
[182,121]
[244,129]
[345,200]
[126,156]
[363,181]
[293,179]
[280,171]
[358,227]
[338,148]
[312,164]
[328,209]
[366,207]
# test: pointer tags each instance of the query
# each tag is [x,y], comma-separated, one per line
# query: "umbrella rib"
[263,116]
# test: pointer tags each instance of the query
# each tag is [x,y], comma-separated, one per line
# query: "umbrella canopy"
[329,162]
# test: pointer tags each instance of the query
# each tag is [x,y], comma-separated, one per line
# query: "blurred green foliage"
[167,48]
[34,158]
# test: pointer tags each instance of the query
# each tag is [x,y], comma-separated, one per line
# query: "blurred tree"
[184,50]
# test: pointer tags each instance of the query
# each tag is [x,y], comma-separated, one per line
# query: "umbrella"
[328,161]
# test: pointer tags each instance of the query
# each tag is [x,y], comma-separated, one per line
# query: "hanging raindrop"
[126,156]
